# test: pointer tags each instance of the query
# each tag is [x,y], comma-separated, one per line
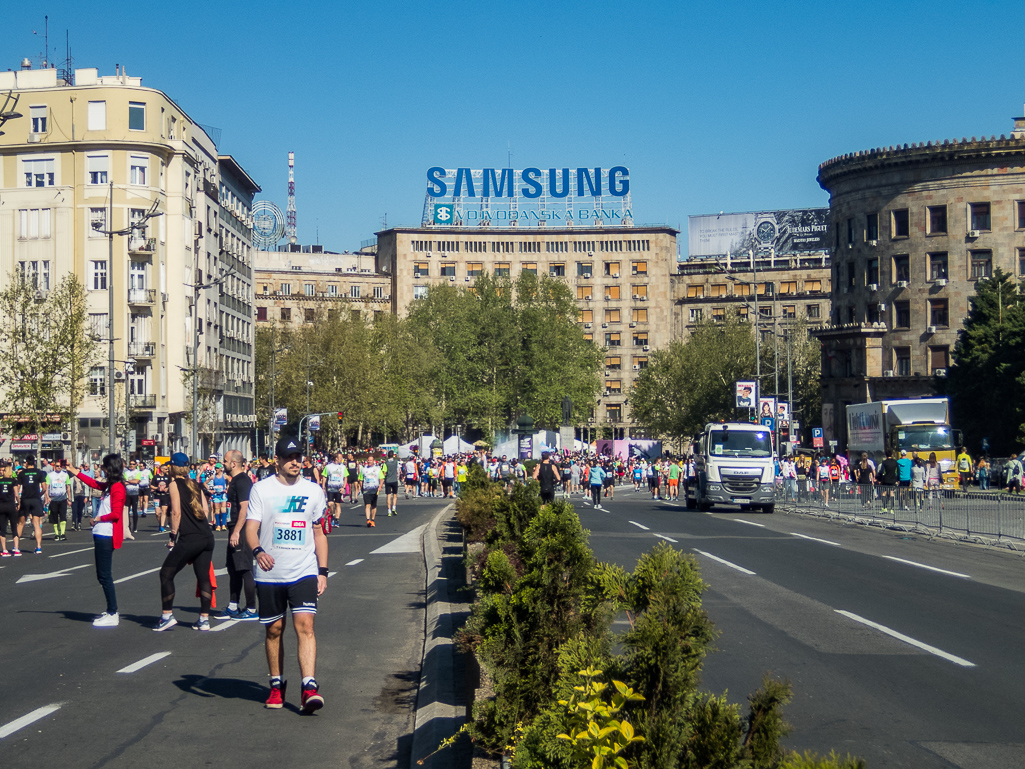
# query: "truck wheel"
[691,503]
[768,509]
[704,505]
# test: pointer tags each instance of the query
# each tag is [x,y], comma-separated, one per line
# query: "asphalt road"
[78,696]
[901,650]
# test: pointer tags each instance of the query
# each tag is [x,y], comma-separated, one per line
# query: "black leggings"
[132,503]
[200,552]
[239,581]
[596,493]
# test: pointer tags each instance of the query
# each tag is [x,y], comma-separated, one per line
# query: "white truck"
[734,464]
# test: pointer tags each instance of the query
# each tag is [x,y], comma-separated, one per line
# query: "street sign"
[147,442]
[816,438]
[985,444]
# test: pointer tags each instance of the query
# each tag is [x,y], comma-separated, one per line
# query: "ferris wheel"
[268,225]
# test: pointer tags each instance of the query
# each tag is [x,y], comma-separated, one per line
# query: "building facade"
[914,228]
[620,276]
[97,154]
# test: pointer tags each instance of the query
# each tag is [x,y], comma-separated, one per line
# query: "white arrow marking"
[51,575]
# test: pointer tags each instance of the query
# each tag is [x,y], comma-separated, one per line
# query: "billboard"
[793,231]
[746,394]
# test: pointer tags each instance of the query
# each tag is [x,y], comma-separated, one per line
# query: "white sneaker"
[107,620]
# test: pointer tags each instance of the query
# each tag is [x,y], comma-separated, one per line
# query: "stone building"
[915,226]
[620,276]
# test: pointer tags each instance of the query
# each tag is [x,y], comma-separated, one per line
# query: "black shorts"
[447,482]
[370,498]
[163,500]
[334,496]
[32,507]
[9,514]
[547,497]
[144,491]
[58,510]
[391,488]
[275,599]
[410,480]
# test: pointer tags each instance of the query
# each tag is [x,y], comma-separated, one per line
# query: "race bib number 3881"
[289,534]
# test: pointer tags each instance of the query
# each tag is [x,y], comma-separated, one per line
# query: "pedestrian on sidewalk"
[108,531]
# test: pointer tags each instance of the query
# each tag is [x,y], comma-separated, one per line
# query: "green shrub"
[812,761]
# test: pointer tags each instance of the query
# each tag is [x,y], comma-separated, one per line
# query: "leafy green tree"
[986,381]
[76,346]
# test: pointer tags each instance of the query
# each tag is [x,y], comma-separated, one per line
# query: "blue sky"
[712,106]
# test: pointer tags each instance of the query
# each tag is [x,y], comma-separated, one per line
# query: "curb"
[437,717]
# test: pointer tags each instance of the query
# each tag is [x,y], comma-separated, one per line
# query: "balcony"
[142,349]
[143,401]
[142,296]
[142,245]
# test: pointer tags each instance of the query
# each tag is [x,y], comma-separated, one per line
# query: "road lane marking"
[52,574]
[640,525]
[750,523]
[72,552]
[331,574]
[20,723]
[224,625]
[815,539]
[930,568]
[144,662]
[724,562]
[133,576]
[220,572]
[407,543]
[667,539]
[353,563]
[908,640]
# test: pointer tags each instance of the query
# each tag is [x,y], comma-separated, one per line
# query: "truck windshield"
[924,438]
[739,443]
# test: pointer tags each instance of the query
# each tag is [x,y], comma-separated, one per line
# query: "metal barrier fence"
[982,516]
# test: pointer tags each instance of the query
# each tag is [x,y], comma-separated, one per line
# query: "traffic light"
[341,417]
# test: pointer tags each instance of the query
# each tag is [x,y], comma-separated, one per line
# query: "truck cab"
[734,464]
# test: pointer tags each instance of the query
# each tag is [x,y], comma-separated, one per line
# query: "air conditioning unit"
[587,325]
[604,325]
[452,278]
[199,228]
[636,296]
[873,286]
[587,275]
[122,420]
[941,282]
[931,330]
[882,307]
[645,348]
[608,297]
[467,278]
[636,367]
[614,275]
[973,233]
[633,325]
[940,372]
[902,284]
[66,437]
[888,372]
[590,419]
[873,242]
[35,138]
[119,375]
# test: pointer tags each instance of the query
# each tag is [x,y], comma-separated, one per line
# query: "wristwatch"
[257,551]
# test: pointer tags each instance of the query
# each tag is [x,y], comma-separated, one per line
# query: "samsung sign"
[529,183]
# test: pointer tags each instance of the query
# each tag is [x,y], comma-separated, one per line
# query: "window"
[744,289]
[98,275]
[419,292]
[378,292]
[718,314]
[136,116]
[902,314]
[901,268]
[640,362]
[639,315]
[98,325]
[766,289]
[613,339]
[587,316]
[308,315]
[38,118]
[1019,210]
[640,338]
[695,292]
[742,313]
[448,269]
[872,227]
[97,380]
[903,358]
[1021,262]
[613,316]
[695,314]
[979,216]
[937,266]
[473,269]
[261,313]
[612,269]
[97,167]
[790,311]
[309,289]
[332,289]
[900,223]
[97,222]
[789,286]
[557,270]
[354,292]
[137,276]
[765,312]
[286,289]
[589,337]
[584,269]
[813,286]
[872,272]
[585,292]
[851,315]
[36,274]
[34,223]
[939,358]
[530,267]
[97,116]
[421,269]
[936,218]
[613,387]
[850,232]
[718,289]
[614,412]
[638,268]
[612,292]
[640,292]
[872,313]
[982,264]
[812,311]
[39,172]
[138,169]
[938,313]
[501,269]
[137,383]
[614,363]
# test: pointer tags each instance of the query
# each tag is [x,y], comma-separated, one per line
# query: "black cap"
[286,446]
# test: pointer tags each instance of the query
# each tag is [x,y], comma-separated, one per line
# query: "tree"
[75,344]
[986,381]
[691,383]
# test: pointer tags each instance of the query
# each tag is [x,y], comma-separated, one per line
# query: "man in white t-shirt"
[333,478]
[371,473]
[291,551]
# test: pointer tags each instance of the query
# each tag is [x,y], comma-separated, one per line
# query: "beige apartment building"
[914,228]
[98,153]
[620,276]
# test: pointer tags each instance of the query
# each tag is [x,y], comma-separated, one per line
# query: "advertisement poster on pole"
[314,423]
[280,417]
[746,394]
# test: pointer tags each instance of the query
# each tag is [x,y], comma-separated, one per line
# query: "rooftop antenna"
[290,228]
[509,145]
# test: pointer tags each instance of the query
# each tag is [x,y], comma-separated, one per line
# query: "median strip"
[908,640]
[724,562]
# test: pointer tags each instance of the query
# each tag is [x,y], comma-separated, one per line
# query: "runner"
[371,475]
[8,510]
[108,532]
[333,480]
[240,556]
[220,499]
[193,543]
[674,481]
[410,473]
[391,483]
[265,469]
[354,486]
[547,476]
[595,478]
[292,555]
[55,492]
[31,481]
[77,504]
[145,479]
[448,477]
[163,497]
[132,500]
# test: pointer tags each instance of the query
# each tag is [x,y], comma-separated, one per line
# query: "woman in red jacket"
[107,530]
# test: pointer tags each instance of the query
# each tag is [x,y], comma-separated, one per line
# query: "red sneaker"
[276,698]
[311,700]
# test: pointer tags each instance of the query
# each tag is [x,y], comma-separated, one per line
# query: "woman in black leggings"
[193,543]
